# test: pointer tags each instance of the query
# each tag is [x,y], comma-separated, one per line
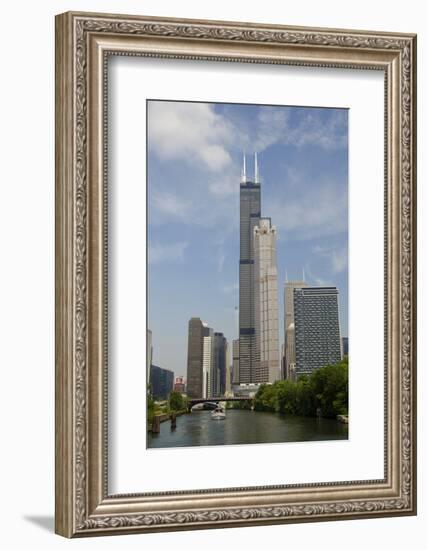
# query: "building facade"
[228,370]
[250,213]
[289,327]
[235,354]
[208,361]
[161,382]
[220,364]
[344,346]
[267,363]
[290,357]
[196,332]
[317,329]
[179,384]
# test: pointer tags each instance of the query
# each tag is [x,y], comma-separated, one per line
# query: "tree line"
[174,403]
[322,393]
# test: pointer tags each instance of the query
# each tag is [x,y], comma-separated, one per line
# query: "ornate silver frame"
[83,505]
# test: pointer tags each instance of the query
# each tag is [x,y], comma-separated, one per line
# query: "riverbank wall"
[164,417]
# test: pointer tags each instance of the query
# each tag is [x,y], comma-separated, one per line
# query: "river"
[242,426]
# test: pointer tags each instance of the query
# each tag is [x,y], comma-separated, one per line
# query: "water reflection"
[240,427]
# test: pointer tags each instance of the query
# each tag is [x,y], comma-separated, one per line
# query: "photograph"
[235,272]
[247,274]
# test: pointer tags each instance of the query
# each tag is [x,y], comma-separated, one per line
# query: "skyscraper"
[235,361]
[290,358]
[317,329]
[289,326]
[208,360]
[220,364]
[250,213]
[196,334]
[228,369]
[266,303]
[161,382]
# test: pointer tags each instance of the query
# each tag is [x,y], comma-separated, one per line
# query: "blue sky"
[194,165]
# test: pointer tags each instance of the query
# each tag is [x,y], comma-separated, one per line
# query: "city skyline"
[193,210]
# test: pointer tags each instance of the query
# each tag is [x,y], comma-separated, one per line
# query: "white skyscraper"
[208,361]
[266,303]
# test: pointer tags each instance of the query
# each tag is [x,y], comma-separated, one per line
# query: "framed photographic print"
[235,274]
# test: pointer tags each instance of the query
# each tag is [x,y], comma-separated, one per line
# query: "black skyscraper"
[250,212]
[220,362]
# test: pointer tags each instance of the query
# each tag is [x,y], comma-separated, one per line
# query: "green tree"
[150,408]
[304,398]
[325,389]
[176,401]
[265,398]
[241,405]
[287,397]
[330,388]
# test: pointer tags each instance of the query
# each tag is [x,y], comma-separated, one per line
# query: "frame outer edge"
[414,270]
[73,400]
[64,237]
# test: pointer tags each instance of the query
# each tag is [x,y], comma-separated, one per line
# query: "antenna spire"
[286,275]
[256,169]
[244,169]
[303,275]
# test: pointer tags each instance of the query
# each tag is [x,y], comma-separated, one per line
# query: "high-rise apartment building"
[266,304]
[196,333]
[250,213]
[317,329]
[289,326]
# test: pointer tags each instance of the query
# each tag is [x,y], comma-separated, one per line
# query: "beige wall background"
[27,273]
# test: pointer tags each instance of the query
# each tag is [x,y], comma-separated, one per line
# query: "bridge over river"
[215,400]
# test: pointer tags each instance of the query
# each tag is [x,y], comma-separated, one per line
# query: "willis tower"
[250,213]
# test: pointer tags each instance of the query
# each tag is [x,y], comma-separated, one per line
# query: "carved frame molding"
[83,43]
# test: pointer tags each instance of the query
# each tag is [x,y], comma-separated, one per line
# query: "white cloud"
[194,132]
[174,207]
[310,211]
[189,131]
[339,260]
[205,193]
[173,252]
[337,257]
[225,184]
[327,132]
[272,127]
[275,125]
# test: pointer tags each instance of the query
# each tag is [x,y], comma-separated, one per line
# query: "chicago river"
[244,426]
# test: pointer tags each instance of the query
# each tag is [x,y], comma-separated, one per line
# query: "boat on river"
[218,414]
